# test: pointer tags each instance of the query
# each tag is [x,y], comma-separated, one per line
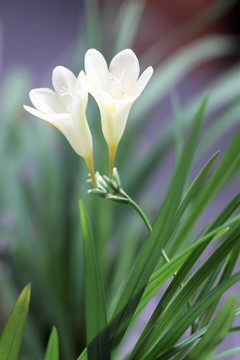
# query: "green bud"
[116,198]
[99,192]
[116,177]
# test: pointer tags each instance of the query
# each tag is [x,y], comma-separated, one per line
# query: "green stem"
[149,226]
[137,208]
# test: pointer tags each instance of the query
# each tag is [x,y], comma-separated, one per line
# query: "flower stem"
[112,149]
[137,207]
[89,162]
[149,226]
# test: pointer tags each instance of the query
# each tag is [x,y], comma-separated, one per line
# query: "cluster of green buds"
[109,188]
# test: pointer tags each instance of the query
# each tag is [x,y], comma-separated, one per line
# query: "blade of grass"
[162,229]
[52,352]
[93,26]
[96,320]
[12,335]
[226,353]
[219,176]
[186,266]
[167,270]
[178,65]
[127,25]
[83,355]
[216,332]
[157,324]
[227,272]
[178,328]
[186,343]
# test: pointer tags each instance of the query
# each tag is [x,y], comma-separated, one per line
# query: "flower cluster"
[115,88]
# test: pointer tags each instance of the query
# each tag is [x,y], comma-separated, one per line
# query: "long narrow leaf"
[168,269]
[169,312]
[219,176]
[12,335]
[178,328]
[52,352]
[216,331]
[97,328]
[226,353]
[162,230]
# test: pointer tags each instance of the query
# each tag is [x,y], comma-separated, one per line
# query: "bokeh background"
[194,48]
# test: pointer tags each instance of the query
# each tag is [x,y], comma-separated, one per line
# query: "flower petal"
[79,104]
[125,68]
[114,114]
[46,101]
[64,82]
[82,131]
[80,81]
[142,81]
[52,118]
[96,69]
[64,123]
[34,112]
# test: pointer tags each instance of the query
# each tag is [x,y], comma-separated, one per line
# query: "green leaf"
[157,240]
[179,327]
[216,331]
[167,270]
[195,186]
[183,344]
[179,64]
[168,312]
[188,341]
[93,24]
[226,353]
[12,335]
[227,272]
[219,176]
[128,22]
[96,320]
[52,352]
[83,355]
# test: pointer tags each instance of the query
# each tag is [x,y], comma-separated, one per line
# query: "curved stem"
[137,207]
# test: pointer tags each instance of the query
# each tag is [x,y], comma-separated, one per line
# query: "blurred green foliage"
[42,178]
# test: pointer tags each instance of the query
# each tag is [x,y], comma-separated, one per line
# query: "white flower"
[65,108]
[115,89]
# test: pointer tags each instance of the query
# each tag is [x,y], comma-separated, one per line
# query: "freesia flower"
[65,108]
[115,89]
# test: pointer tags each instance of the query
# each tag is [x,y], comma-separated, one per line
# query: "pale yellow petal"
[124,69]
[46,101]
[96,69]
[142,81]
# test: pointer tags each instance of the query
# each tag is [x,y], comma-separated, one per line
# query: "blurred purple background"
[35,33]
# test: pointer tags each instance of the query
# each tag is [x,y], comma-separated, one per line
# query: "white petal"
[125,68]
[142,81]
[35,112]
[46,100]
[80,142]
[80,81]
[96,69]
[64,82]
[53,118]
[82,132]
[79,104]
[123,106]
[114,114]
[102,98]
